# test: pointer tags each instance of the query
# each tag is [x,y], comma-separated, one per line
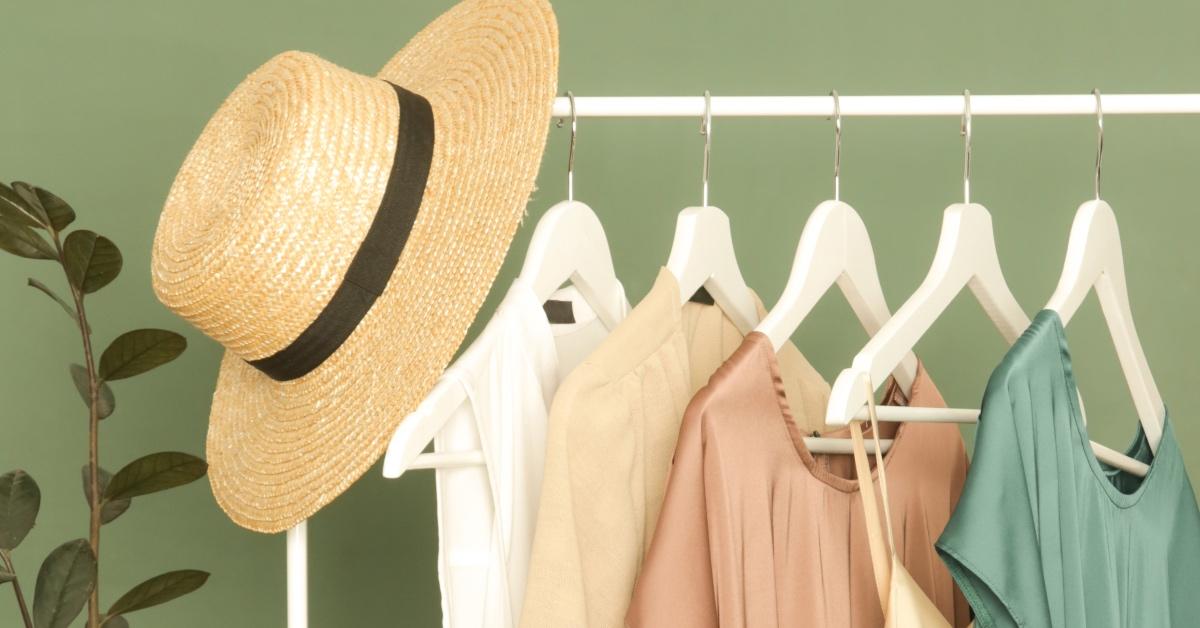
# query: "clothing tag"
[559,312]
[703,297]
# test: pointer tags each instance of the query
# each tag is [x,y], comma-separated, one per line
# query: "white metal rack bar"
[782,107]
[885,106]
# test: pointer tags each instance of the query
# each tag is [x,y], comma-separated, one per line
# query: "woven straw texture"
[274,199]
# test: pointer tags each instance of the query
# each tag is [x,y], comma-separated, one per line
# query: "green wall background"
[101,100]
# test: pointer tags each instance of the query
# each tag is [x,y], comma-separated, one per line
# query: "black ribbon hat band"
[377,256]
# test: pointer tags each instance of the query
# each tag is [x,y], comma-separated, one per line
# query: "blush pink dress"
[755,531]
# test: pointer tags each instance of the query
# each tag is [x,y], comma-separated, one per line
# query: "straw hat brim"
[281,450]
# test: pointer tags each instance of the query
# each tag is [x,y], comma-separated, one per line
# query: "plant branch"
[16,582]
[96,500]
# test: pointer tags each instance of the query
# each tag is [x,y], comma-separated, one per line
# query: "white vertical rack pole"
[851,106]
[781,107]
[297,576]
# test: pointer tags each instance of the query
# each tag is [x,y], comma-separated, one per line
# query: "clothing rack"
[779,107]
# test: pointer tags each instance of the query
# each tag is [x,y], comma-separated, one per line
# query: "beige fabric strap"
[880,555]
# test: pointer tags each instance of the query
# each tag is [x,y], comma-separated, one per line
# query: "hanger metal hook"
[1099,141]
[965,131]
[571,150]
[706,131]
[837,146]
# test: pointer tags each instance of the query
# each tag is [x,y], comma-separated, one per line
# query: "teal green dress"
[1045,535]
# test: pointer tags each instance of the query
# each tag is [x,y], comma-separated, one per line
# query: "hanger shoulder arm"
[987,283]
[702,255]
[569,244]
[900,334]
[419,428]
[1114,303]
[859,283]
[821,260]
[885,351]
[991,290]
[1093,248]
[1095,261]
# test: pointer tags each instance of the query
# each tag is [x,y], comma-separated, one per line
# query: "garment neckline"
[520,308]
[1082,442]
[803,455]
[645,328]
[649,325]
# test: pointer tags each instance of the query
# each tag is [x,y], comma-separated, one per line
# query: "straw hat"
[337,234]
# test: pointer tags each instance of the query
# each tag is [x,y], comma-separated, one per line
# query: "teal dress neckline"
[1124,489]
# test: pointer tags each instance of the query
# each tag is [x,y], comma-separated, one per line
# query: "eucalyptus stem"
[16,582]
[94,502]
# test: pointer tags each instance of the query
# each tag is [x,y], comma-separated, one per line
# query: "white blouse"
[486,514]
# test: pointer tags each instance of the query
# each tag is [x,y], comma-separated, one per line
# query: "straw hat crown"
[274,200]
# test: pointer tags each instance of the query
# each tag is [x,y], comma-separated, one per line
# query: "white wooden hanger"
[568,244]
[702,253]
[965,258]
[834,249]
[1095,262]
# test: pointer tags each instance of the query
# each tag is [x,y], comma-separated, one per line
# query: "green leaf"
[67,307]
[13,207]
[20,499]
[159,590]
[32,203]
[135,352]
[6,576]
[63,584]
[110,509]
[92,261]
[20,240]
[115,622]
[107,402]
[154,473]
[60,213]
